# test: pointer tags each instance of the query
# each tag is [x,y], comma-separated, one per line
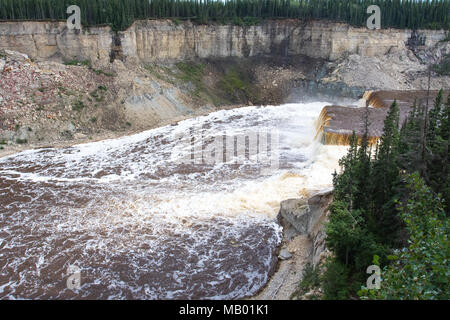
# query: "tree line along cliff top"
[120,14]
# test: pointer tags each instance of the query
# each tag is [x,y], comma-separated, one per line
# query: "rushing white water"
[141,225]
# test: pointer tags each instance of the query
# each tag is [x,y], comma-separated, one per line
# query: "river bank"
[303,243]
[11,149]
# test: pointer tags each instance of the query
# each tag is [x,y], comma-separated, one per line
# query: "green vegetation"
[21,141]
[235,83]
[422,270]
[391,208]
[310,280]
[78,105]
[85,63]
[99,72]
[99,94]
[190,71]
[121,13]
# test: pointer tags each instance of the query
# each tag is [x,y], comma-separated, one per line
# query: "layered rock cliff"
[166,41]
[159,71]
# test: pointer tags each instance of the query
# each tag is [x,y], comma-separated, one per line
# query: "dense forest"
[391,208]
[413,14]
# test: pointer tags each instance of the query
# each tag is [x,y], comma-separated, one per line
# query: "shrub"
[78,105]
[310,280]
[335,281]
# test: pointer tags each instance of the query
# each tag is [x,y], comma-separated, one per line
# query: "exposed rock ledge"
[303,239]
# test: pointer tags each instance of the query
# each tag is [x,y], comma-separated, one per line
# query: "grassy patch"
[3,141]
[77,63]
[234,83]
[99,93]
[192,72]
[78,105]
[99,72]
[21,141]
[93,119]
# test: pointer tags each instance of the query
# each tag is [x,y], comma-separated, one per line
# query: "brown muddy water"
[143,219]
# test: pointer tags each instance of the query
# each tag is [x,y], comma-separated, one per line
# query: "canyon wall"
[166,41]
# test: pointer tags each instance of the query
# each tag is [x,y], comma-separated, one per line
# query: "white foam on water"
[143,226]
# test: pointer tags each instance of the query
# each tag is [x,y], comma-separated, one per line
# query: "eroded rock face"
[306,217]
[52,40]
[303,214]
[165,41]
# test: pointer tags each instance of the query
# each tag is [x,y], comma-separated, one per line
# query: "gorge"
[139,224]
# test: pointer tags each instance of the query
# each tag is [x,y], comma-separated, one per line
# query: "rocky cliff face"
[165,41]
[158,71]
[53,41]
[303,243]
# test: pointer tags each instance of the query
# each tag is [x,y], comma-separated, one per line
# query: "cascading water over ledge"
[140,225]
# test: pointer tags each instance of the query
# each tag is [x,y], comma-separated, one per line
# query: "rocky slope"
[63,86]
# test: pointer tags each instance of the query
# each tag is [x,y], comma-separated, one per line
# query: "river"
[140,218]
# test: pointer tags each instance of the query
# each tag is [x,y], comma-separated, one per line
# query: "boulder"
[303,214]
[284,254]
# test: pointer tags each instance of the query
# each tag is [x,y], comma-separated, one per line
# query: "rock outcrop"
[303,243]
[300,217]
[158,71]
[336,124]
[166,41]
